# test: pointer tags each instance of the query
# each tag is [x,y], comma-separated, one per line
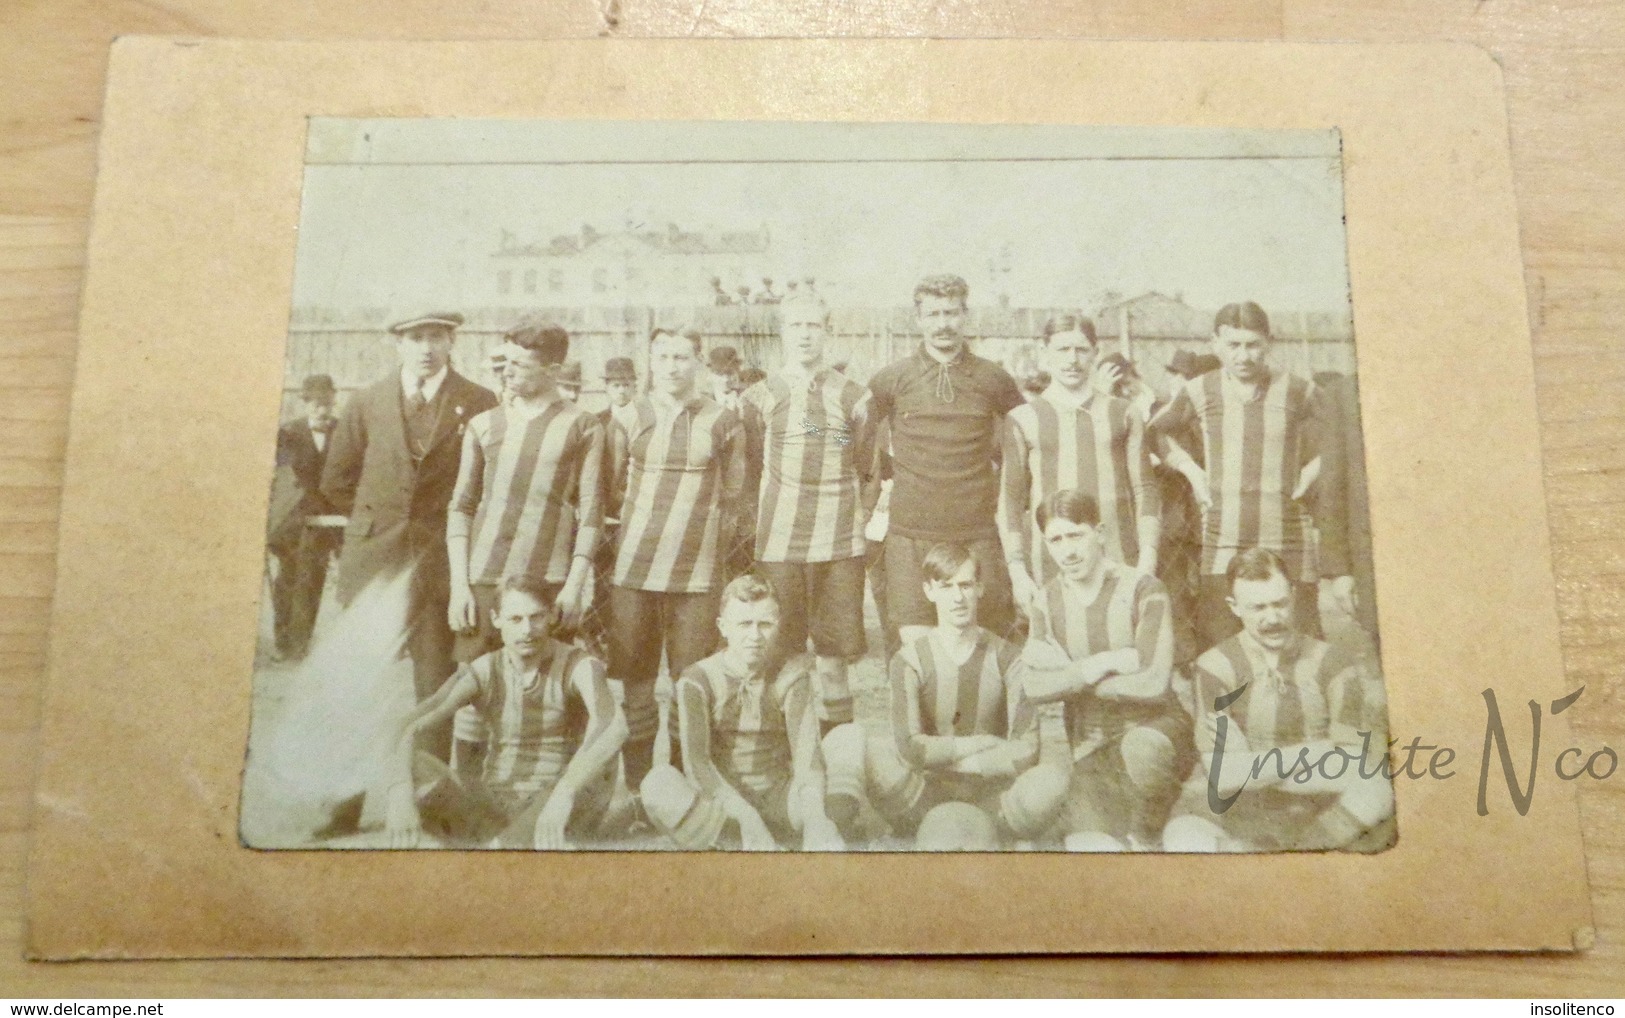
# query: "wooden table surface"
[1565,73]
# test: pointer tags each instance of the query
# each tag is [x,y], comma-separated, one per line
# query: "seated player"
[963,733]
[1268,696]
[753,764]
[555,734]
[1103,645]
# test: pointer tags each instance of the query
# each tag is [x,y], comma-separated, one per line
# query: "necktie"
[415,399]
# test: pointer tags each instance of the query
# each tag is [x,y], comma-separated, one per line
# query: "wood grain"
[1565,69]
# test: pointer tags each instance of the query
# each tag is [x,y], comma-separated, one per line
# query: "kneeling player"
[555,733]
[750,745]
[1102,644]
[964,733]
[1273,700]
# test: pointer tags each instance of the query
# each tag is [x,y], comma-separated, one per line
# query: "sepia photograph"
[651,486]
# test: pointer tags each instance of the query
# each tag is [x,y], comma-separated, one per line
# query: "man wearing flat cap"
[392,467]
[301,550]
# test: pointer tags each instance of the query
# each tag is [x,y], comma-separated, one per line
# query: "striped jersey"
[1098,447]
[685,475]
[1131,609]
[529,494]
[750,722]
[934,696]
[1255,446]
[808,440]
[536,720]
[1313,691]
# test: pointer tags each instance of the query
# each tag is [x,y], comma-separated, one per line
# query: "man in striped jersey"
[528,502]
[1293,736]
[529,495]
[549,774]
[1074,437]
[1102,643]
[945,407]
[962,729]
[685,477]
[752,752]
[806,431]
[1261,436]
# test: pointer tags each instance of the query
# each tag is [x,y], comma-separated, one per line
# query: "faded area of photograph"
[818,487]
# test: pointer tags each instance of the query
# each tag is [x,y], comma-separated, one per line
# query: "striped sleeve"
[1142,482]
[1015,490]
[693,696]
[590,686]
[470,487]
[753,425]
[917,748]
[589,486]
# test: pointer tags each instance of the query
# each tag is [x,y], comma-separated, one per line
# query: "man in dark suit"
[392,467]
[301,550]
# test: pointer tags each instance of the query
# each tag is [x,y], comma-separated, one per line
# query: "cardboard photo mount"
[180,369]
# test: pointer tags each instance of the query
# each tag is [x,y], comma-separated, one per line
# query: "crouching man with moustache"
[964,732]
[555,733]
[754,773]
[1283,725]
[1102,644]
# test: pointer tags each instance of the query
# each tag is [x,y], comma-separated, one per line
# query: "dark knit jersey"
[946,424]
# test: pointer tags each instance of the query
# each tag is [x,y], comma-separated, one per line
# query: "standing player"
[963,731]
[1074,437]
[1271,698]
[555,732]
[1261,437]
[806,432]
[1102,644]
[945,407]
[528,501]
[685,475]
[751,746]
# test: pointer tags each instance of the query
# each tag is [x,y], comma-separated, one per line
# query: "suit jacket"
[397,504]
[296,489]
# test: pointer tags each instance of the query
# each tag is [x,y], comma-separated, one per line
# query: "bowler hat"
[317,387]
[620,369]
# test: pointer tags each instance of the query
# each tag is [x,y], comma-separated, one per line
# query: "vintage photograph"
[766,486]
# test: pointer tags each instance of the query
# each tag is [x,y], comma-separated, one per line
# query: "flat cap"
[450,319]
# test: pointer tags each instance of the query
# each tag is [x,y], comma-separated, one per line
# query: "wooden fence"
[356,350]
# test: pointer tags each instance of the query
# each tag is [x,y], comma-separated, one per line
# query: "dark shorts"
[820,599]
[1103,798]
[464,813]
[643,623]
[905,587]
